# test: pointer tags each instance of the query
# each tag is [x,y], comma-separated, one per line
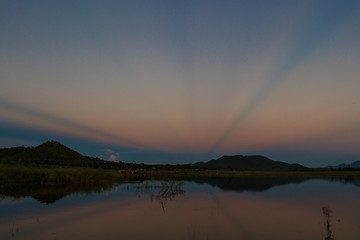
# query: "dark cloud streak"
[64,122]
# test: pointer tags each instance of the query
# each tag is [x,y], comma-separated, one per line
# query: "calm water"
[207,209]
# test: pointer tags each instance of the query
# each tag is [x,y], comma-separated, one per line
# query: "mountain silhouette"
[53,153]
[253,162]
[355,164]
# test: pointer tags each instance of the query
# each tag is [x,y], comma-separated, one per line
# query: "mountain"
[253,162]
[52,153]
[355,164]
[8,152]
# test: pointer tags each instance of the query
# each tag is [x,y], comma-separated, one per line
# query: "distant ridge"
[52,153]
[252,162]
[355,164]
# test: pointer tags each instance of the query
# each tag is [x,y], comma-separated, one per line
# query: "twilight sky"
[183,81]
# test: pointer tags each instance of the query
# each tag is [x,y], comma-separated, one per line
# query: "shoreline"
[59,174]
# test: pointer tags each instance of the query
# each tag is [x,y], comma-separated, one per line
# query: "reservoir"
[242,208]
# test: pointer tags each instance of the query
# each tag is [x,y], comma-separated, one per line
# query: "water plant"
[327,213]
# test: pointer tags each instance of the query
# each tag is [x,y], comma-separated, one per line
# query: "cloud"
[109,151]
[113,158]
[110,155]
[61,123]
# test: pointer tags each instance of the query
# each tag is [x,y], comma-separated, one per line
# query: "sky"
[183,81]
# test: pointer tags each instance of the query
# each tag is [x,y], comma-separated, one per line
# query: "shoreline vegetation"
[55,170]
[89,176]
[48,184]
[55,163]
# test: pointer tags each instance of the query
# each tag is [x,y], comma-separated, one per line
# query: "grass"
[45,175]
[87,176]
[189,174]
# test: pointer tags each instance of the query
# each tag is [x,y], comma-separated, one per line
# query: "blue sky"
[183,81]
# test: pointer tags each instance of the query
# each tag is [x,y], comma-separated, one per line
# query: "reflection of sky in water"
[311,187]
[283,212]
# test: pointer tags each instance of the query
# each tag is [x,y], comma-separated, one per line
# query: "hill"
[56,154]
[253,162]
[355,164]
[52,153]
[8,152]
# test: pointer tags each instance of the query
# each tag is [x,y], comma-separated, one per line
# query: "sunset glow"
[182,81]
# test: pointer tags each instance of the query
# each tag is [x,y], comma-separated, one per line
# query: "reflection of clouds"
[110,191]
[199,214]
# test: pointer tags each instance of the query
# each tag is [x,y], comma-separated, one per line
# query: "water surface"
[207,209]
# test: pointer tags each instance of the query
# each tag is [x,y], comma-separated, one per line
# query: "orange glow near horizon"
[290,81]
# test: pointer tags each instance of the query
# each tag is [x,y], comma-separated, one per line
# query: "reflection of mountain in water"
[260,183]
[47,194]
[356,182]
[48,197]
[346,181]
[163,192]
[250,183]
